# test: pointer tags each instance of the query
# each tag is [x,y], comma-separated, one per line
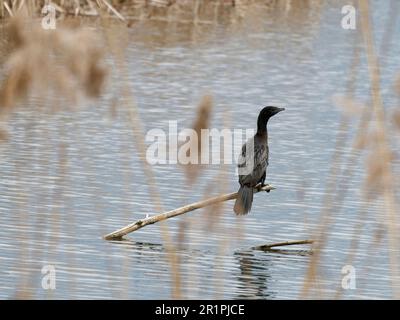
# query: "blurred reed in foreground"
[373,138]
[202,121]
[67,62]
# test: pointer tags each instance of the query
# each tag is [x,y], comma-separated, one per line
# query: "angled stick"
[281,244]
[118,234]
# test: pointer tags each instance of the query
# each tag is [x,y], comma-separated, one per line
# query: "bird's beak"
[279,110]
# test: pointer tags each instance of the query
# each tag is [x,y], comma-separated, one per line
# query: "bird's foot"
[262,185]
[259,186]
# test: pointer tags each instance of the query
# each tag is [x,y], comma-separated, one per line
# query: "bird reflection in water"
[254,275]
[254,271]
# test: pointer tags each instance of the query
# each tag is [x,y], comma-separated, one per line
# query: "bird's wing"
[251,169]
[261,153]
[242,157]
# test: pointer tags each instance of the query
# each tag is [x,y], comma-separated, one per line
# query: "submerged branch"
[118,234]
[281,244]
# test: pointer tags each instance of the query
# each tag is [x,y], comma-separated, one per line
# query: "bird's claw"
[262,185]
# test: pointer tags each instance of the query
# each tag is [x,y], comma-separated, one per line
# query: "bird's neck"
[262,127]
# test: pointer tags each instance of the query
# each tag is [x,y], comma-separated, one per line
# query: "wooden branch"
[118,234]
[281,244]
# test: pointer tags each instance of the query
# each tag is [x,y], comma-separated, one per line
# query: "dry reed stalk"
[396,119]
[113,10]
[8,9]
[137,129]
[382,148]
[348,107]
[40,61]
[214,217]
[201,122]
[193,12]
[328,206]
[397,85]
[360,142]
[352,108]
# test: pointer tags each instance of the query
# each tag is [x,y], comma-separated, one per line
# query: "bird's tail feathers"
[244,201]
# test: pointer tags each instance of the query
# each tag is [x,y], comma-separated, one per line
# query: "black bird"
[253,165]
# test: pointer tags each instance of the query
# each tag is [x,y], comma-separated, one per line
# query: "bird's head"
[268,112]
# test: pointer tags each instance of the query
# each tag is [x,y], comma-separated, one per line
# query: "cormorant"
[253,167]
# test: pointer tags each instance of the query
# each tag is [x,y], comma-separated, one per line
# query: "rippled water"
[68,178]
